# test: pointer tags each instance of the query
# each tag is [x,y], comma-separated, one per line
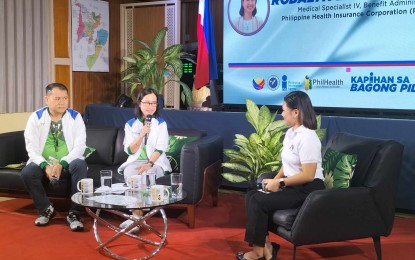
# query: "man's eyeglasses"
[149,104]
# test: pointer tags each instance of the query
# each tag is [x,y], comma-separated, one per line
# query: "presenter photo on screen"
[247,18]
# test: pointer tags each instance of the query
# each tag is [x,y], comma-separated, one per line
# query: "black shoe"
[74,222]
[240,256]
[275,249]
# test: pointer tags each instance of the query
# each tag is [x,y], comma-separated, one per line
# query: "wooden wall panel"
[147,21]
[189,21]
[63,75]
[61,67]
[217,20]
[61,20]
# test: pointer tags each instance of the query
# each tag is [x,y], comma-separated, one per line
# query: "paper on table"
[115,199]
[115,188]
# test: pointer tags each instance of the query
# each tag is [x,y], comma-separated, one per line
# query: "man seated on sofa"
[55,141]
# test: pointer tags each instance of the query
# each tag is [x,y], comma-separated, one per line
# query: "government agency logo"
[273,82]
[308,84]
[258,83]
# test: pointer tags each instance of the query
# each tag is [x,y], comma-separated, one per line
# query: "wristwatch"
[282,183]
[151,163]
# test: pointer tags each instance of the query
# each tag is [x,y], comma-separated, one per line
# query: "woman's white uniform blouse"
[158,139]
[301,146]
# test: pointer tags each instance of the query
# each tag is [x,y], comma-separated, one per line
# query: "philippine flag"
[206,68]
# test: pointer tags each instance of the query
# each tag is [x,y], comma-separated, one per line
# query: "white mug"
[160,192]
[86,186]
[136,182]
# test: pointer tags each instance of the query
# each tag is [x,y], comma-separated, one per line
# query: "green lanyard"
[55,131]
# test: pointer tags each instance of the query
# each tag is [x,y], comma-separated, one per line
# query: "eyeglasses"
[149,104]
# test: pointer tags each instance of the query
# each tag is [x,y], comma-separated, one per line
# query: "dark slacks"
[34,179]
[260,206]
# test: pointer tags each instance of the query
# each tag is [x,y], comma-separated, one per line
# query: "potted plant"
[261,152]
[148,68]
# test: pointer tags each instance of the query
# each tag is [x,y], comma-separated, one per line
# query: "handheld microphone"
[147,122]
[54,181]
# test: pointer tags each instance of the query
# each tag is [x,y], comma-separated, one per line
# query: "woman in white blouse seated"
[146,141]
[300,174]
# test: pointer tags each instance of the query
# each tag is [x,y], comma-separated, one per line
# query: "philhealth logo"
[258,83]
[307,83]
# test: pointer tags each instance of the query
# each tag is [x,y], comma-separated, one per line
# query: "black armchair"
[200,164]
[365,209]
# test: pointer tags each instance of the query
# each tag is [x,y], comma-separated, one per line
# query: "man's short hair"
[51,86]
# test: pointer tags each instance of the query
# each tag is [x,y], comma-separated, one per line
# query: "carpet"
[218,234]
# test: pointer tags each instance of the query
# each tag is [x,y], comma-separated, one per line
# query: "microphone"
[147,122]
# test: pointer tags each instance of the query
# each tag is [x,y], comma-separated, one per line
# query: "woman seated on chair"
[300,174]
[146,140]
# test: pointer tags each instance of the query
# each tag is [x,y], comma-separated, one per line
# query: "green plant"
[148,68]
[261,152]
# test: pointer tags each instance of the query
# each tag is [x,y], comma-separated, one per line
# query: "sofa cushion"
[187,132]
[338,168]
[366,150]
[176,142]
[88,151]
[120,156]
[174,149]
[103,140]
[14,166]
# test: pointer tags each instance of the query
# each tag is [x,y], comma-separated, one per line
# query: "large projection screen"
[345,54]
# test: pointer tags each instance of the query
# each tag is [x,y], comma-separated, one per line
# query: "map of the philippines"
[90,35]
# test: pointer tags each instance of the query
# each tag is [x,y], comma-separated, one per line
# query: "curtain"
[24,54]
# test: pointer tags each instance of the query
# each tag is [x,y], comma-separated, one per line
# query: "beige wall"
[13,122]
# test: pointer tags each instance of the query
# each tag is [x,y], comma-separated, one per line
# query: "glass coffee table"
[119,204]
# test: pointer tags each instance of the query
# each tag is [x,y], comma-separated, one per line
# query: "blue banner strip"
[323,64]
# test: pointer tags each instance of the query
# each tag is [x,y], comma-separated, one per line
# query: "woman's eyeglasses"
[149,104]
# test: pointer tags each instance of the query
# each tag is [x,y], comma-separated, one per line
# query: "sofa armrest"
[334,213]
[194,159]
[12,148]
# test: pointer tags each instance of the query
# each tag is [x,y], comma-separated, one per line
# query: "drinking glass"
[176,185]
[106,178]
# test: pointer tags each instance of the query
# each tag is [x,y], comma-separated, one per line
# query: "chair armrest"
[194,159]
[337,215]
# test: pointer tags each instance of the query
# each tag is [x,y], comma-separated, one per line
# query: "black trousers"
[34,179]
[260,206]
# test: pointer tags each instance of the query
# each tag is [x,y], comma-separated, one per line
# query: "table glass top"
[130,199]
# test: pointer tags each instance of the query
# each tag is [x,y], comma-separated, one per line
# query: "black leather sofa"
[365,209]
[200,164]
